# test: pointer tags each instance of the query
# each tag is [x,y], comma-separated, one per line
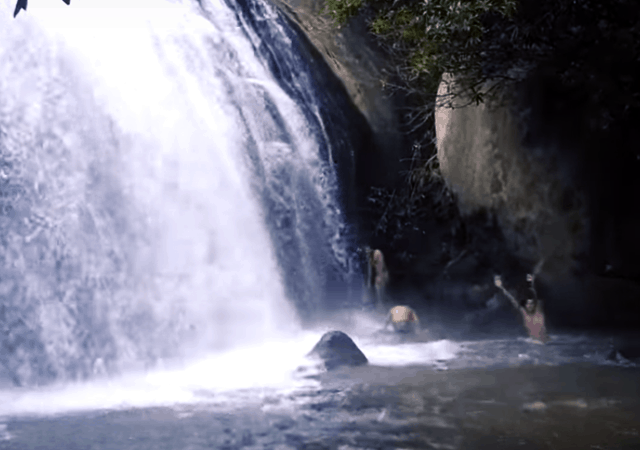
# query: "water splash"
[145,153]
[223,379]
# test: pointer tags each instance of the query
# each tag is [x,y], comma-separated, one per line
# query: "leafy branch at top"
[22,4]
[584,53]
[430,37]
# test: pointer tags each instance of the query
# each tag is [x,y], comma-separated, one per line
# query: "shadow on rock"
[336,349]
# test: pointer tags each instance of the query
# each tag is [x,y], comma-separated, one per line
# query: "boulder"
[549,198]
[486,161]
[336,349]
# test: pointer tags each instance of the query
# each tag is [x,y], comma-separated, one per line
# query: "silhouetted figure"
[377,276]
[532,312]
[403,319]
[22,4]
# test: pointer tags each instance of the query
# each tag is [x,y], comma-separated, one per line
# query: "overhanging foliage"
[589,48]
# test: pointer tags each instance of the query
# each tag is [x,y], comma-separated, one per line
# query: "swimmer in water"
[403,319]
[532,312]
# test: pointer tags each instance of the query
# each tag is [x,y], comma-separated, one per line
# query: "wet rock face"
[336,349]
[353,56]
[548,204]
[541,210]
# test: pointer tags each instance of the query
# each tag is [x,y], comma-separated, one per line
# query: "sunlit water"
[212,379]
[140,267]
[225,379]
[156,276]
[248,375]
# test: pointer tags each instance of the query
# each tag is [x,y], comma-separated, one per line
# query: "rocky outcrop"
[336,349]
[484,161]
[362,67]
[543,209]
[530,184]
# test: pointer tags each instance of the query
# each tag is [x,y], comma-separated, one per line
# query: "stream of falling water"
[140,267]
[158,186]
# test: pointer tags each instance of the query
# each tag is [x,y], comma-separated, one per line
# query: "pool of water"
[489,393]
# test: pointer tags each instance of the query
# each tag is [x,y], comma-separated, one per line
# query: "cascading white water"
[132,136]
[163,196]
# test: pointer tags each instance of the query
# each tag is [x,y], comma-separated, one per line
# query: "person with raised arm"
[532,311]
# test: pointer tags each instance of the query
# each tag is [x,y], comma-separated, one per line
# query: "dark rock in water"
[337,349]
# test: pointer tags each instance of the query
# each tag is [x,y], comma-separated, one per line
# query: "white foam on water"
[366,330]
[229,378]
[132,106]
[414,353]
[269,366]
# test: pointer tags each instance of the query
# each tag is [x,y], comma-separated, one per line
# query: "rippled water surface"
[500,393]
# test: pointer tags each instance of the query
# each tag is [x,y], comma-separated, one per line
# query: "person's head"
[530,305]
[530,278]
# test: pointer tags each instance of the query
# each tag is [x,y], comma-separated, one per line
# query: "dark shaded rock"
[336,349]
[363,68]
[551,195]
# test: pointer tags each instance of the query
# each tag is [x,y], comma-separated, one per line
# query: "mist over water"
[235,377]
[242,376]
[158,186]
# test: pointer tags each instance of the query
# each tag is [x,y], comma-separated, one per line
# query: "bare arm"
[531,278]
[498,282]
[538,267]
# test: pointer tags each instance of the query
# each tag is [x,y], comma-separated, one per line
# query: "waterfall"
[169,184]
